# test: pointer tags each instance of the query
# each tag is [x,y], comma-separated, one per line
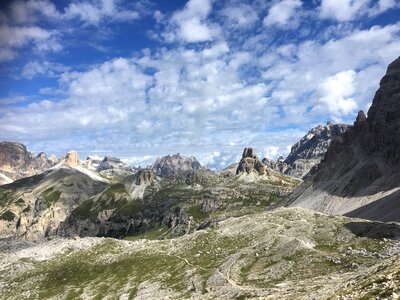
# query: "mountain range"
[320,224]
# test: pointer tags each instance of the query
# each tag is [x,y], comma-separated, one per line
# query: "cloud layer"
[212,78]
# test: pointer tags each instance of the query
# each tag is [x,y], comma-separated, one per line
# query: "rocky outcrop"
[250,163]
[17,162]
[108,166]
[92,162]
[279,165]
[112,166]
[361,168]
[72,159]
[310,150]
[175,164]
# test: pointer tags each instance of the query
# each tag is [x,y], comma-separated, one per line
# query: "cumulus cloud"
[336,93]
[282,12]
[14,37]
[94,12]
[191,24]
[294,80]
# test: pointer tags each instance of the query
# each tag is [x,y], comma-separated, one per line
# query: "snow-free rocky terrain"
[288,253]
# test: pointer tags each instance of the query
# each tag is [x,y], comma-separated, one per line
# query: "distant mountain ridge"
[174,164]
[310,150]
[17,162]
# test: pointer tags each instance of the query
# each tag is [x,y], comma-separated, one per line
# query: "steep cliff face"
[17,162]
[360,174]
[310,150]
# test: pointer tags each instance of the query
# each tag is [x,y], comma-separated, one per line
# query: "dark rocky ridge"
[361,167]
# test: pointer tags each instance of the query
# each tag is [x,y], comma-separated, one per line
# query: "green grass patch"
[197,213]
[8,216]
[50,196]
[131,208]
[20,201]
[72,274]
[84,210]
[151,234]
[6,197]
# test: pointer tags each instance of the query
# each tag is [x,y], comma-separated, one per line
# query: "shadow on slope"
[374,230]
[386,209]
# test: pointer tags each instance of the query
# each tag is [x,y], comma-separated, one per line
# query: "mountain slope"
[70,200]
[33,207]
[284,254]
[362,166]
[179,204]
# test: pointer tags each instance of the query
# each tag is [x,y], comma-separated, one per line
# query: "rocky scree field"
[288,253]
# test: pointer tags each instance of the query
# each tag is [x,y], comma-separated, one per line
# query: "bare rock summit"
[250,163]
[175,164]
[72,159]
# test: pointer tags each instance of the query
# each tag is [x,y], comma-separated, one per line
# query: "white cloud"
[94,12]
[282,12]
[20,36]
[336,93]
[295,78]
[21,24]
[14,37]
[271,152]
[347,10]
[34,68]
[239,15]
[191,24]
[90,12]
[23,12]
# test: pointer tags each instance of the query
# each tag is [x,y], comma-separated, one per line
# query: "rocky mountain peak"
[72,158]
[310,150]
[112,166]
[250,163]
[361,117]
[17,162]
[249,152]
[175,164]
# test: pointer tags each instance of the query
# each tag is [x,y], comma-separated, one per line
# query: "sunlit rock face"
[72,158]
[175,164]
[311,149]
[17,162]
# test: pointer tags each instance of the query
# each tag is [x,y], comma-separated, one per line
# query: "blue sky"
[141,79]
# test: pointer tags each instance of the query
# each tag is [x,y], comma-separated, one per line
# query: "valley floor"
[288,253]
